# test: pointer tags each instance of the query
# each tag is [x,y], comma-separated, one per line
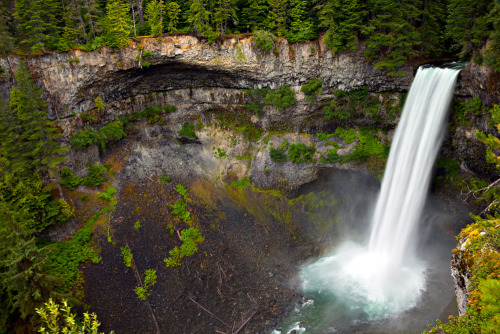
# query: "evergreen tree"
[342,19]
[173,11]
[40,21]
[301,26]
[467,25]
[35,148]
[154,17]
[391,38]
[117,25]
[24,277]
[278,16]
[199,17]
[432,29]
[254,15]
[224,11]
[6,39]
[492,54]
[91,10]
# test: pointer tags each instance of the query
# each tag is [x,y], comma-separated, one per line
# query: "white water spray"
[386,277]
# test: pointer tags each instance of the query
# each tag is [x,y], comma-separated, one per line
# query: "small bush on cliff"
[277,155]
[188,131]
[127,256]
[299,153]
[281,97]
[113,131]
[264,40]
[312,89]
[190,237]
[69,179]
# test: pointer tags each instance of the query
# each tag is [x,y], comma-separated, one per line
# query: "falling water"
[386,277]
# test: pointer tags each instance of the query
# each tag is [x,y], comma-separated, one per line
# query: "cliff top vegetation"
[393,32]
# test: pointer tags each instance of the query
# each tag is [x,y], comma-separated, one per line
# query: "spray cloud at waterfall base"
[385,276]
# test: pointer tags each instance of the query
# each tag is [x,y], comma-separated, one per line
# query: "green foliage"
[66,256]
[165,179]
[69,179]
[108,194]
[278,16]
[220,153]
[99,104]
[96,176]
[264,40]
[190,237]
[179,209]
[73,60]
[117,24]
[137,225]
[367,146]
[241,183]
[127,256]
[350,104]
[113,131]
[299,153]
[324,136]
[153,114]
[144,291]
[172,10]
[181,190]
[342,20]
[154,17]
[59,319]
[281,97]
[277,155]
[312,89]
[188,131]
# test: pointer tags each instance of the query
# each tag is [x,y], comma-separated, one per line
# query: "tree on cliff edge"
[117,24]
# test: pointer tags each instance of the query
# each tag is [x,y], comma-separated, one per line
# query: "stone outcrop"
[74,79]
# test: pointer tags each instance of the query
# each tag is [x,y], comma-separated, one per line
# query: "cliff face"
[72,80]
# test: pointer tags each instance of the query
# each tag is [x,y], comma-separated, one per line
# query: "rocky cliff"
[73,79]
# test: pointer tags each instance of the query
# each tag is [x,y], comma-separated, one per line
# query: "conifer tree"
[6,39]
[36,148]
[199,17]
[255,15]
[117,25]
[172,10]
[154,17]
[224,11]
[342,19]
[278,16]
[467,24]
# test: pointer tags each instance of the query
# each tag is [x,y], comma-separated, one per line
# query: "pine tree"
[25,278]
[36,148]
[39,21]
[154,17]
[224,11]
[199,17]
[6,39]
[432,29]
[117,24]
[254,16]
[278,16]
[172,10]
[467,25]
[342,19]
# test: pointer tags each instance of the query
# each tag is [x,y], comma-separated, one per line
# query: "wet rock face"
[461,273]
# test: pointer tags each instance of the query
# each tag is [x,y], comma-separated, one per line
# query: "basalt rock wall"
[74,79]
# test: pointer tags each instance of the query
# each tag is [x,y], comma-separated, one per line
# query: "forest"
[393,32]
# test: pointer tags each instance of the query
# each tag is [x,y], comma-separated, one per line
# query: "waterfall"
[407,177]
[386,276]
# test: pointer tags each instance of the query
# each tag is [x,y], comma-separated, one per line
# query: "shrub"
[165,179]
[181,190]
[144,291]
[137,225]
[112,131]
[188,131]
[264,40]
[127,256]
[277,155]
[179,209]
[299,153]
[108,194]
[69,179]
[312,89]
[281,97]
[190,238]
[95,177]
